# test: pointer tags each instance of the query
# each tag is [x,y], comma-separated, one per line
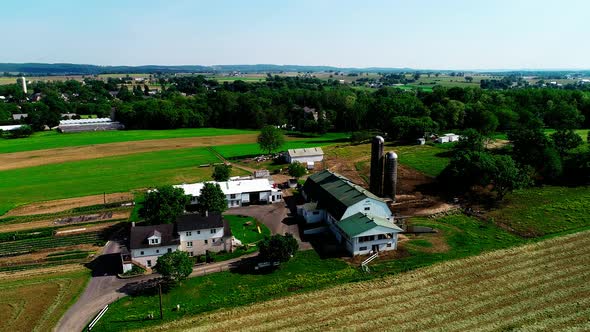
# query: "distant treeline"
[305,104]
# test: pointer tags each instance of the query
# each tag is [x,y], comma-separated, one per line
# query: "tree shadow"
[105,265]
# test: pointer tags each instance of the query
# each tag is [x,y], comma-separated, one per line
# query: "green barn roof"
[334,192]
[360,223]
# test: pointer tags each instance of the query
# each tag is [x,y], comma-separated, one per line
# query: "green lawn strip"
[428,159]
[465,236]
[110,174]
[53,139]
[539,211]
[305,272]
[252,149]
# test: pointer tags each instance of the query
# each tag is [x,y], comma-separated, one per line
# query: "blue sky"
[423,34]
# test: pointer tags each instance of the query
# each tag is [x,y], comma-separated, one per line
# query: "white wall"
[375,208]
[312,217]
[361,248]
[306,159]
[151,254]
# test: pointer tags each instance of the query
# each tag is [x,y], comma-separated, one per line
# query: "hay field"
[36,299]
[541,286]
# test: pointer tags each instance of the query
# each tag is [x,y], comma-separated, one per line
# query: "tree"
[471,140]
[175,266]
[506,176]
[22,131]
[297,170]
[163,205]
[221,172]
[271,138]
[565,140]
[277,248]
[212,199]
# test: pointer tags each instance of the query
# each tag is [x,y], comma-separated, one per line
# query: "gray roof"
[140,234]
[18,116]
[191,222]
[306,152]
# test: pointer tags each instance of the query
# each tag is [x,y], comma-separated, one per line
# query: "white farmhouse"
[191,233]
[239,192]
[360,221]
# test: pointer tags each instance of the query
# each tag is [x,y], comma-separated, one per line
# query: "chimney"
[390,176]
[376,176]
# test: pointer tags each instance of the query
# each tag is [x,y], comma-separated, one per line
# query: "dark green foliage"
[471,140]
[221,172]
[278,248]
[212,199]
[297,170]
[409,129]
[175,266]
[271,138]
[565,140]
[163,205]
[506,176]
[22,131]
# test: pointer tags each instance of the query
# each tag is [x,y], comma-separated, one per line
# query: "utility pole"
[104,197]
[160,291]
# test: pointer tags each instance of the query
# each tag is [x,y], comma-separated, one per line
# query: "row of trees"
[305,104]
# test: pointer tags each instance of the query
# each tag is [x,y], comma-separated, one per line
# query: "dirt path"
[21,226]
[60,155]
[66,204]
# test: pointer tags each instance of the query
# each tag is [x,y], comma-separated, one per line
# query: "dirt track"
[50,223]
[66,204]
[60,155]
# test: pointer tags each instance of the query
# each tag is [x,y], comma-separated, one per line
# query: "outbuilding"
[305,155]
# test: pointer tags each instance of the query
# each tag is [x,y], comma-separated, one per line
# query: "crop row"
[543,284]
[32,245]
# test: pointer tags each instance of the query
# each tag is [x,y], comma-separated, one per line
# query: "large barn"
[306,156]
[98,124]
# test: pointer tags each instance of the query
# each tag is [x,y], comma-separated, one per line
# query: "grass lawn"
[111,174]
[53,139]
[306,271]
[252,149]
[35,300]
[545,210]
[428,159]
[246,233]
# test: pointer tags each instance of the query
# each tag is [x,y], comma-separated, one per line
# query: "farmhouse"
[99,124]
[447,138]
[306,156]
[192,233]
[239,192]
[360,221]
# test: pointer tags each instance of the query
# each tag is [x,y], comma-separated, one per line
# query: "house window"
[198,232]
[157,251]
[362,248]
[189,233]
[367,208]
[213,230]
[149,263]
[213,240]
[382,236]
[366,238]
[154,241]
[141,253]
[232,196]
[190,253]
[206,242]
[169,249]
[189,244]
[389,245]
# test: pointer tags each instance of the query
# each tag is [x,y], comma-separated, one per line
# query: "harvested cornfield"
[542,286]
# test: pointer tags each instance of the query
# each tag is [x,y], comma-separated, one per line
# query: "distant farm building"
[306,156]
[99,124]
[239,192]
[10,127]
[19,116]
[448,138]
[359,220]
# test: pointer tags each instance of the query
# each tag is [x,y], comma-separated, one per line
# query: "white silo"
[24,83]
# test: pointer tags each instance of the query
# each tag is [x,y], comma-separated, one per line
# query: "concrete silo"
[376,176]
[390,177]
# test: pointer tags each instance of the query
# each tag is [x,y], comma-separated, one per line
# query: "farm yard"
[34,300]
[541,286]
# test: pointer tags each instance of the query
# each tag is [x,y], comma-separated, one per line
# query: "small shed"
[421,141]
[305,155]
[447,138]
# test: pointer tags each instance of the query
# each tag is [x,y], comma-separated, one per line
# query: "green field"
[246,233]
[545,210]
[37,301]
[428,159]
[53,139]
[252,149]
[111,174]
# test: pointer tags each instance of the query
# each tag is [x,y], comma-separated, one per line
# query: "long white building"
[239,192]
